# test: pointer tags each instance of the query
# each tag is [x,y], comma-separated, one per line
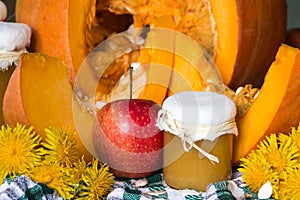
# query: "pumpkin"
[39,94]
[241,36]
[276,108]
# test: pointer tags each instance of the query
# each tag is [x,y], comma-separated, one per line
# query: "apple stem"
[130,91]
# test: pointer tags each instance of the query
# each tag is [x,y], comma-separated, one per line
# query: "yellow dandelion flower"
[290,187]
[77,171]
[295,136]
[54,177]
[18,150]
[97,181]
[280,152]
[275,157]
[60,147]
[256,171]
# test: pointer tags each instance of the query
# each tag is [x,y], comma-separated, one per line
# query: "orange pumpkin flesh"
[39,94]
[276,108]
[171,72]
[189,66]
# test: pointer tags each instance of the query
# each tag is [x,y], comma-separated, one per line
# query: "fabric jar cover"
[195,116]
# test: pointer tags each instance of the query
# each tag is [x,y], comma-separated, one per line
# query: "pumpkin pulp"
[94,24]
[169,71]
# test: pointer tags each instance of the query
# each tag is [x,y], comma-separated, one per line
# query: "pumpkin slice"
[39,94]
[276,108]
[236,34]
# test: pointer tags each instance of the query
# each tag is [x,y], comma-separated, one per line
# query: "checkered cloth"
[23,188]
[157,189]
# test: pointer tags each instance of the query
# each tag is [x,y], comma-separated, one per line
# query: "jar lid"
[14,39]
[14,36]
[199,115]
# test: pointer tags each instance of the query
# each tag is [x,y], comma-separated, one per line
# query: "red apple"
[127,139]
[293,37]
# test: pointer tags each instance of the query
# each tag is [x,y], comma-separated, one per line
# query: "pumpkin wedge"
[276,109]
[242,36]
[39,94]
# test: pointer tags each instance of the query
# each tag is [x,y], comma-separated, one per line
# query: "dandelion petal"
[265,191]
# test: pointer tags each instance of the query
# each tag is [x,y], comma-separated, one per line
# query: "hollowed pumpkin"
[276,108]
[241,36]
[39,94]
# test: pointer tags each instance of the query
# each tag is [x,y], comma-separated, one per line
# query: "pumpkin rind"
[49,33]
[4,79]
[12,101]
[276,109]
[262,29]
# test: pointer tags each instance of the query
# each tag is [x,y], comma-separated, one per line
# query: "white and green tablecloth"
[157,189]
[23,188]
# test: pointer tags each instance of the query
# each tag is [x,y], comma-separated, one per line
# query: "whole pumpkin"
[242,36]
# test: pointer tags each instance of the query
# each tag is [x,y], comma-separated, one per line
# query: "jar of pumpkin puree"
[198,133]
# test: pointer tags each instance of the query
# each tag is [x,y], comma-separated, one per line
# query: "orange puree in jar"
[191,172]
[199,128]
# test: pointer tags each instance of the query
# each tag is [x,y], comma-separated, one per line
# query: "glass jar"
[199,128]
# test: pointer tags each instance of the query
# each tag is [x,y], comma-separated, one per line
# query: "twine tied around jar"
[189,134]
[7,58]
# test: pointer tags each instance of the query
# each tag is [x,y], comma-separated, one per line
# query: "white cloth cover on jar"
[195,116]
